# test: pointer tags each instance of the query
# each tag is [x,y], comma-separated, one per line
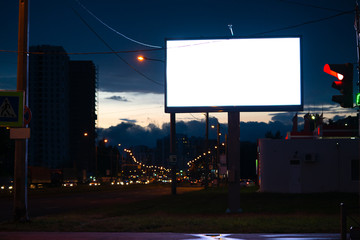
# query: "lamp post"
[172,135]
[217,156]
[21,160]
[97,153]
[118,157]
[142,58]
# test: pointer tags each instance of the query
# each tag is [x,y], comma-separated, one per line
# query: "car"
[94,183]
[194,181]
[69,184]
[247,183]
[6,187]
[116,182]
[145,182]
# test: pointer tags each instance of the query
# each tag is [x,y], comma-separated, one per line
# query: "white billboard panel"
[242,74]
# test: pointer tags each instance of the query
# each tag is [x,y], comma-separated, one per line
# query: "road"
[46,204]
[161,236]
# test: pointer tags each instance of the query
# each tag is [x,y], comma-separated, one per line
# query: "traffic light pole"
[20,171]
[357,30]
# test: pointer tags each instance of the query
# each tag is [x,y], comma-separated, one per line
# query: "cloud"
[285,117]
[337,117]
[330,111]
[251,131]
[118,98]
[128,120]
[130,134]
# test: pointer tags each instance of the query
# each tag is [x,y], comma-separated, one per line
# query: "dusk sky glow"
[133,91]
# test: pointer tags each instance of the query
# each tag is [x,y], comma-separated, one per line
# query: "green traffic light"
[358,99]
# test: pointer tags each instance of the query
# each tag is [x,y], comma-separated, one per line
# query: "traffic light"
[344,74]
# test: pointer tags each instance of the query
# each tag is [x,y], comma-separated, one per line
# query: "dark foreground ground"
[152,209]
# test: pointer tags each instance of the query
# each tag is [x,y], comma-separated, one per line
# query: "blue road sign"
[11,108]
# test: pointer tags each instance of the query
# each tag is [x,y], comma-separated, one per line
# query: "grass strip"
[204,211]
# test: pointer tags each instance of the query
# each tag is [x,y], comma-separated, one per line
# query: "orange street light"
[141,58]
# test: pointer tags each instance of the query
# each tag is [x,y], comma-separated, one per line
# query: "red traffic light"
[333,73]
[344,74]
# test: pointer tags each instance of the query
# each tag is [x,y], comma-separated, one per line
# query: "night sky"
[132,92]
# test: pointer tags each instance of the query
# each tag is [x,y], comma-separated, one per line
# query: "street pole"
[234,162]
[217,159]
[173,152]
[357,30]
[20,169]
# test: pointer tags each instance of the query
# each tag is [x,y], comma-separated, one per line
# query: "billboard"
[235,74]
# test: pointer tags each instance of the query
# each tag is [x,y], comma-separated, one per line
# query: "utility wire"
[107,45]
[112,29]
[312,6]
[305,23]
[80,53]
[194,117]
[132,51]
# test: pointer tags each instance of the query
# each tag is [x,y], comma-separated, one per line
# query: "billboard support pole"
[217,159]
[234,162]
[207,158]
[173,152]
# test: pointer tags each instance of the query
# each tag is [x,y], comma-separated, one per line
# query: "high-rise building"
[62,98]
[82,106]
[48,101]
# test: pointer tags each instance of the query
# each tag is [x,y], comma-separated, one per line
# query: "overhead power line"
[112,50]
[160,48]
[112,29]
[311,5]
[80,53]
[304,23]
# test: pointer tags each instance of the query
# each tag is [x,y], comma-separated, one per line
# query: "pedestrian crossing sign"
[11,108]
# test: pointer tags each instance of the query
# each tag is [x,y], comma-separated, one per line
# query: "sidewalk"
[159,236]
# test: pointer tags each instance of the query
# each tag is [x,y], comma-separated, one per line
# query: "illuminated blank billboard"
[242,74]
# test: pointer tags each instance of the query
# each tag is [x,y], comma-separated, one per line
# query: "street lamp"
[141,58]
[172,134]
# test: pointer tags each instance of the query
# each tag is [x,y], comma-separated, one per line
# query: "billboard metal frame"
[241,108]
